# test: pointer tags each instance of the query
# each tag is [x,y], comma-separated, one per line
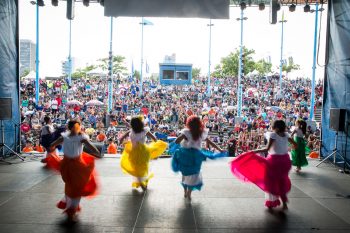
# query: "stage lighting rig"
[278,6]
[292,7]
[54,2]
[307,8]
[86,2]
[243,5]
[261,6]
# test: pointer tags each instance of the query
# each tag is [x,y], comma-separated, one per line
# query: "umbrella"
[94,103]
[28,113]
[74,102]
[276,109]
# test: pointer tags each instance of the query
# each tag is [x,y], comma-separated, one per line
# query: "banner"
[211,9]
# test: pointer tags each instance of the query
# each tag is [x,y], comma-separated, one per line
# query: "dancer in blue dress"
[188,154]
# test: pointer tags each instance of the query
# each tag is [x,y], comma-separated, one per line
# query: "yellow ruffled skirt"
[135,160]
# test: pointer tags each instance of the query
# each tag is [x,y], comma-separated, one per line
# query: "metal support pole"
[141,71]
[240,69]
[312,107]
[70,54]
[37,86]
[281,61]
[110,67]
[209,61]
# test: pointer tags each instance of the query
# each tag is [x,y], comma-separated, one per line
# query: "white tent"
[31,75]
[97,72]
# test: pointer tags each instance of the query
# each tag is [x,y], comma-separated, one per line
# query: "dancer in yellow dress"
[136,155]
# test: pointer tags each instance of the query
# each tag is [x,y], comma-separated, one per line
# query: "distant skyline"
[187,38]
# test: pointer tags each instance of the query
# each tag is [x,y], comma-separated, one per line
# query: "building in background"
[65,66]
[27,56]
[170,58]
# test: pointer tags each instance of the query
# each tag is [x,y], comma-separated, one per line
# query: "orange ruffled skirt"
[78,174]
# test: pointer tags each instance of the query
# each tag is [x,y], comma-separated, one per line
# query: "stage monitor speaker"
[337,119]
[5,108]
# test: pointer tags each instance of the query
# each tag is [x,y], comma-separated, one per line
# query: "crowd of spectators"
[166,108]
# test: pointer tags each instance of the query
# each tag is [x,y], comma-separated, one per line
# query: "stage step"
[318,114]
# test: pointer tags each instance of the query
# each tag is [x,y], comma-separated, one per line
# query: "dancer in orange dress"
[76,168]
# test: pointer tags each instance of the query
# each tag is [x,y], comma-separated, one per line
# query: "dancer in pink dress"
[269,174]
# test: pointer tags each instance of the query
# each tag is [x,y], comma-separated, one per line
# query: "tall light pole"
[143,23]
[37,77]
[209,61]
[314,62]
[110,69]
[240,66]
[283,21]
[70,54]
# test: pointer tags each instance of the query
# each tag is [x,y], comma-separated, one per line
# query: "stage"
[319,202]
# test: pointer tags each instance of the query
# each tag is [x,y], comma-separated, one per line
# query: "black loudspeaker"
[273,11]
[70,9]
[337,119]
[5,108]
[99,147]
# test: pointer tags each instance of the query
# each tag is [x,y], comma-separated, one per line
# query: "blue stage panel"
[175,74]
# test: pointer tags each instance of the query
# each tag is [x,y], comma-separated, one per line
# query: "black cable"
[319,40]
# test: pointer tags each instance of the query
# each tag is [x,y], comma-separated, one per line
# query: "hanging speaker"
[70,9]
[337,119]
[5,108]
[273,11]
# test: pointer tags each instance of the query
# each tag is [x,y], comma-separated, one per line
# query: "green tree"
[137,75]
[263,67]
[118,64]
[229,64]
[290,66]
[25,73]
[196,73]
[81,72]
[217,72]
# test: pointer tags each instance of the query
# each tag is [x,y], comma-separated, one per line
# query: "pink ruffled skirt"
[269,174]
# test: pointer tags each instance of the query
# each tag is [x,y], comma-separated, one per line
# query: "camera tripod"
[3,146]
[334,154]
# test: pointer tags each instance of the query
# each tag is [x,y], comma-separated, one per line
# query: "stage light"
[54,2]
[307,8]
[243,5]
[261,6]
[292,7]
[86,2]
[41,3]
[278,6]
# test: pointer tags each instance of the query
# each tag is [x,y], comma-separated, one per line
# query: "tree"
[196,73]
[263,67]
[137,75]
[118,64]
[217,72]
[229,64]
[81,72]
[25,73]
[290,66]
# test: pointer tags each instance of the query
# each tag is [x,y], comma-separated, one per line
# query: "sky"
[187,38]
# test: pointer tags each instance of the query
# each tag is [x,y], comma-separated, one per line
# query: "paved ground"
[319,202]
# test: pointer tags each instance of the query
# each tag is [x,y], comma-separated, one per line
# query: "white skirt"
[193,182]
